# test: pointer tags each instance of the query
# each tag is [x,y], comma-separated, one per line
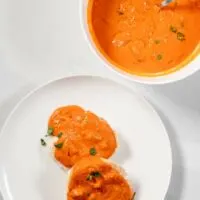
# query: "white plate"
[27,171]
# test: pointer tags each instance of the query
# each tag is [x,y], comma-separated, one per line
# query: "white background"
[41,40]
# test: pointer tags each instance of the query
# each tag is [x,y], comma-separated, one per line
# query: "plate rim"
[141,97]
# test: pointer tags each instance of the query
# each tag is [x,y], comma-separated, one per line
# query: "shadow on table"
[185,92]
[1,197]
[177,177]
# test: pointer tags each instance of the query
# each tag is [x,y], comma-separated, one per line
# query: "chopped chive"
[157,41]
[159,57]
[50,131]
[173,29]
[89,177]
[93,152]
[60,135]
[133,196]
[180,36]
[59,145]
[43,143]
[92,175]
[96,174]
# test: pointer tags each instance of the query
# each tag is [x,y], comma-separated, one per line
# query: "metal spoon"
[165,2]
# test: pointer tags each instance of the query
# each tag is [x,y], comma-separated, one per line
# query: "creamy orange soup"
[94,179]
[141,38]
[80,133]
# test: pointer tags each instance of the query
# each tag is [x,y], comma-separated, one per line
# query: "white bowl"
[190,68]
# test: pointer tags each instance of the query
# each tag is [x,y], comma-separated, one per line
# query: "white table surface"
[41,40]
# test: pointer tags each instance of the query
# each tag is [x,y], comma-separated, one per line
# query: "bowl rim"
[180,74]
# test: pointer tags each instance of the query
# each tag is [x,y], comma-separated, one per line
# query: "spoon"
[165,2]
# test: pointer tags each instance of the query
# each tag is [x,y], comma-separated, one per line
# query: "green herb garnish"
[180,36]
[43,143]
[60,135]
[50,131]
[157,41]
[95,174]
[173,29]
[59,145]
[89,177]
[159,57]
[93,152]
[133,197]
[92,175]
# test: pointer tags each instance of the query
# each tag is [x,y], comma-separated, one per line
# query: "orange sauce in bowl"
[80,133]
[139,37]
[94,179]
